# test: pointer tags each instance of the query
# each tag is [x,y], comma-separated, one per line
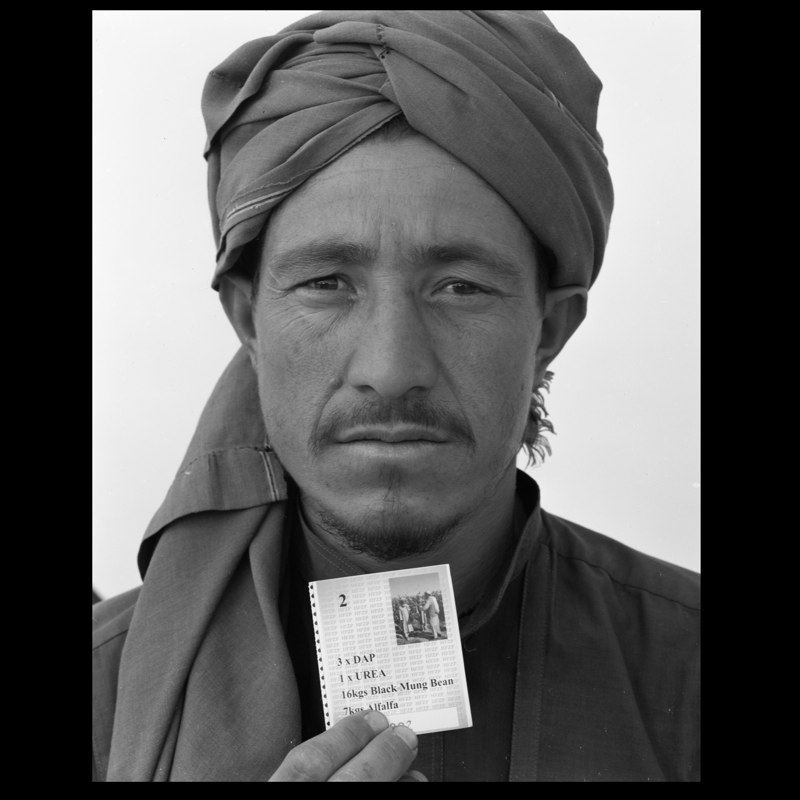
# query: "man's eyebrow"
[334,251]
[339,251]
[473,252]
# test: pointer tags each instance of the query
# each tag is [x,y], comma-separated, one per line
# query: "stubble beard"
[386,534]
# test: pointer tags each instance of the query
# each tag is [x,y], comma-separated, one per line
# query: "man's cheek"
[300,358]
[501,402]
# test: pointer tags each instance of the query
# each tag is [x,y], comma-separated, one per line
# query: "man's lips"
[395,435]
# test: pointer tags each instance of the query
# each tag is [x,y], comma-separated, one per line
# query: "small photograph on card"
[418,608]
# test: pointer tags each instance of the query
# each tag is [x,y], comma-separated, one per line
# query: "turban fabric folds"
[502,91]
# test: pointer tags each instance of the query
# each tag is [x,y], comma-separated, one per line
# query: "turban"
[502,91]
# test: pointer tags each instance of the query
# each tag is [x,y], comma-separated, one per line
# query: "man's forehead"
[412,169]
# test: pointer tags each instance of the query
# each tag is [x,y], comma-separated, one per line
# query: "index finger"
[319,757]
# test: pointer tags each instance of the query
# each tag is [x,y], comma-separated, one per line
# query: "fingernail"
[407,735]
[376,721]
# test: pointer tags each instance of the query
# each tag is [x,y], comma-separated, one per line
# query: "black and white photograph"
[395,290]
[418,608]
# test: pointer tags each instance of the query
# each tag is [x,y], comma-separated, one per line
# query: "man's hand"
[360,747]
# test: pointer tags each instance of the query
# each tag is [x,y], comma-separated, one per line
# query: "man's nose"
[394,350]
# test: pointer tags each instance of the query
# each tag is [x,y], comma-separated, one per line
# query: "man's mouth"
[397,434]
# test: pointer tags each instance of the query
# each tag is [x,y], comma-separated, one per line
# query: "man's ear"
[235,291]
[564,310]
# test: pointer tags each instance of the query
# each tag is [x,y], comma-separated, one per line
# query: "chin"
[390,531]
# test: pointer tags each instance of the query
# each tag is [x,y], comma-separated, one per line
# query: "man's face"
[396,326]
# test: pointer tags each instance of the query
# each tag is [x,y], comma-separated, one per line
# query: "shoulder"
[624,655]
[622,568]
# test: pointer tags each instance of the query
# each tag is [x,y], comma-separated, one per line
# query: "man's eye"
[329,284]
[463,288]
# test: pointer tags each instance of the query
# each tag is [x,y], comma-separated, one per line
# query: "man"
[410,208]
[404,617]
[432,610]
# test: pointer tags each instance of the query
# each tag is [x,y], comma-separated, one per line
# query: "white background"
[625,400]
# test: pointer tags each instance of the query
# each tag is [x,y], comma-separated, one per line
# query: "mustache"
[417,412]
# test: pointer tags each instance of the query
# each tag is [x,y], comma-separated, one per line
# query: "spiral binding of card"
[313,593]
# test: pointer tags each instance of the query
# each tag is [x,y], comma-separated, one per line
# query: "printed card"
[389,641]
